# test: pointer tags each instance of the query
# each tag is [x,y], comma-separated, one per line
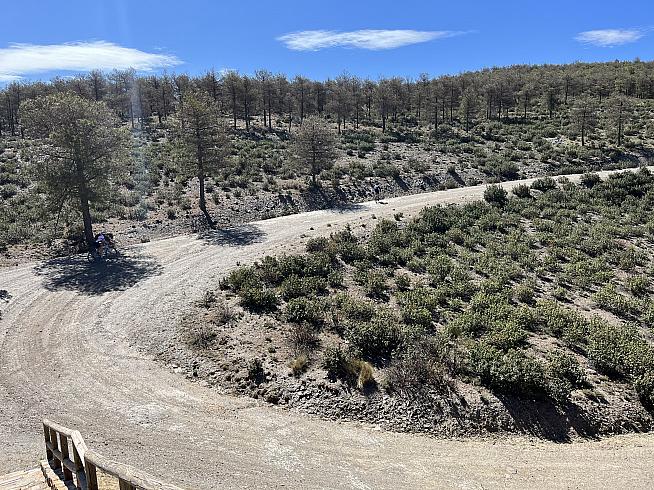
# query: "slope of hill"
[528,315]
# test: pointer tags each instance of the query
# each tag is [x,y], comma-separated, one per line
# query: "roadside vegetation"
[392,136]
[519,312]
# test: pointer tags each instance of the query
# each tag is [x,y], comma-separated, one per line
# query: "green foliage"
[374,282]
[303,309]
[78,152]
[544,184]
[619,350]
[521,191]
[644,386]
[377,338]
[609,299]
[513,372]
[495,195]
[258,298]
[566,366]
[638,285]
[294,286]
[484,289]
[589,180]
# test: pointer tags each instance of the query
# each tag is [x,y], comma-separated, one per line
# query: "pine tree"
[314,146]
[78,151]
[201,142]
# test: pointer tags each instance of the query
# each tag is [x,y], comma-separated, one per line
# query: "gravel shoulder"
[73,341]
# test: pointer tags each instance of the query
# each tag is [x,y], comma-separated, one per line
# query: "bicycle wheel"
[90,257]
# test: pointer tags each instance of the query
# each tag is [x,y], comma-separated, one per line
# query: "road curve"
[68,351]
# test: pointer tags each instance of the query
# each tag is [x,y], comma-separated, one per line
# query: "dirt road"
[68,351]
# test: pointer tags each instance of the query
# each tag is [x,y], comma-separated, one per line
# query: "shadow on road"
[544,420]
[348,208]
[234,235]
[77,274]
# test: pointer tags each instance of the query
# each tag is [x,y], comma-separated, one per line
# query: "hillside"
[529,315]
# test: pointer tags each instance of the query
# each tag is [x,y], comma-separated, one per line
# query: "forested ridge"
[514,92]
[390,136]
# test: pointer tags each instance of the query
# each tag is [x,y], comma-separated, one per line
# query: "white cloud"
[9,78]
[374,39]
[23,59]
[610,37]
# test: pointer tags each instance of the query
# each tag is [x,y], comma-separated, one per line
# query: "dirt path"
[67,352]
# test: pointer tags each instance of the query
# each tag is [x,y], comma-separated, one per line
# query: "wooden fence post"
[91,477]
[54,440]
[46,436]
[63,442]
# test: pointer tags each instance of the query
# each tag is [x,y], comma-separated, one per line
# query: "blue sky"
[409,37]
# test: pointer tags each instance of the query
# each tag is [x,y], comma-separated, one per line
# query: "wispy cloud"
[24,59]
[9,78]
[610,37]
[373,39]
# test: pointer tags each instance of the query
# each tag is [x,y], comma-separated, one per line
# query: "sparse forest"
[399,135]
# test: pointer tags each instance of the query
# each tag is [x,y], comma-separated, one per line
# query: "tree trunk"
[86,214]
[203,203]
[234,109]
[314,170]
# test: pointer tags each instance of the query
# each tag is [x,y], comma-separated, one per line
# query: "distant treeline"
[520,91]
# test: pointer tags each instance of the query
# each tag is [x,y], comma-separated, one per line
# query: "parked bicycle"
[103,248]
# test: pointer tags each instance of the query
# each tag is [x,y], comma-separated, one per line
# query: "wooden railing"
[66,451]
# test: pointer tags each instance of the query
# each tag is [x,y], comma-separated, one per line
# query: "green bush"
[638,285]
[566,366]
[295,287]
[590,180]
[544,184]
[644,386]
[241,278]
[495,195]
[375,339]
[318,244]
[402,282]
[506,336]
[525,293]
[374,283]
[609,299]
[610,348]
[521,191]
[417,315]
[258,298]
[354,309]
[309,310]
[513,372]
[420,298]
[562,323]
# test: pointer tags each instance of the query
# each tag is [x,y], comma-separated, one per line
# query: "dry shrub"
[299,364]
[425,364]
[366,378]
[201,337]
[354,371]
[303,339]
[221,314]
